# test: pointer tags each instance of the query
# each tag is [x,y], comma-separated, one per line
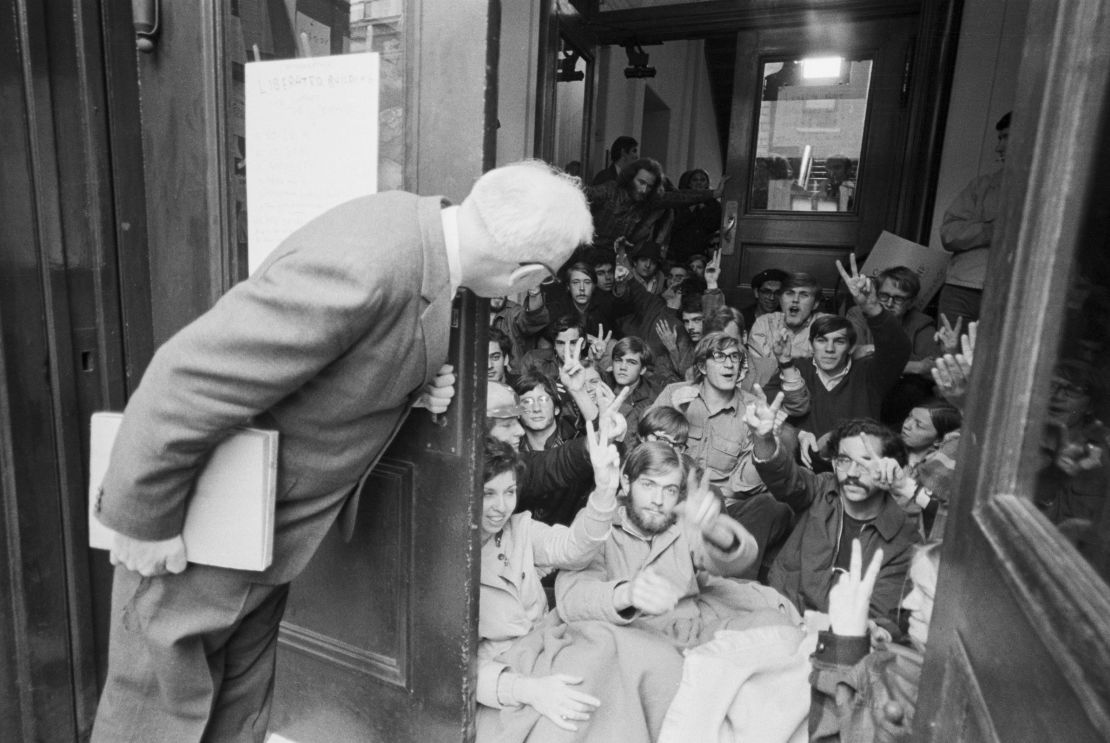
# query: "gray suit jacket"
[327,342]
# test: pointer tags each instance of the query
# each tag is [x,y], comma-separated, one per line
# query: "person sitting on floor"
[666,564]
[798,303]
[834,508]
[517,552]
[841,387]
[860,694]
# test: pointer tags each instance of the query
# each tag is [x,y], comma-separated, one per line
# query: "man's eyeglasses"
[1067,388]
[664,438]
[721,357]
[886,298]
[537,400]
[844,463]
[770,292]
[671,491]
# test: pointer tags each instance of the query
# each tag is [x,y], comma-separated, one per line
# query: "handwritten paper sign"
[312,142]
[930,264]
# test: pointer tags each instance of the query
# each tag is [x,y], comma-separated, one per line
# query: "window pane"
[1073,461]
[810,135]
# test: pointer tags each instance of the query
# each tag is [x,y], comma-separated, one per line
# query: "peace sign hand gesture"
[599,342]
[850,598]
[948,335]
[765,420]
[861,286]
[606,463]
[782,345]
[572,374]
[713,271]
[611,424]
[889,475]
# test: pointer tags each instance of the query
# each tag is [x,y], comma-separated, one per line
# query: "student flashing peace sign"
[861,287]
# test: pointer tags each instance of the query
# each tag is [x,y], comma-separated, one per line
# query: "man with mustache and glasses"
[852,502]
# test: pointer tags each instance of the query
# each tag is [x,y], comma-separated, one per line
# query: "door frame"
[996,537]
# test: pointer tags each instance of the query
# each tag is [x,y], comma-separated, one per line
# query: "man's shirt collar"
[831,380]
[450,217]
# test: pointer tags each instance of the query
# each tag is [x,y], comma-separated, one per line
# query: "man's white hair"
[532,211]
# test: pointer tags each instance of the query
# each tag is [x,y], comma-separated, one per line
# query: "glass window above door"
[812,116]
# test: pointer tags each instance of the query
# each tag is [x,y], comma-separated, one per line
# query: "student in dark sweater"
[841,387]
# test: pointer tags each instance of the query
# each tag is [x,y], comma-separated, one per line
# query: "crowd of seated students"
[751,468]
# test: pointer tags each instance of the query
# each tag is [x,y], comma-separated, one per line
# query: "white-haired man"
[324,346]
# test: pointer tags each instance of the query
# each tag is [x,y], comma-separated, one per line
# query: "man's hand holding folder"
[149,558]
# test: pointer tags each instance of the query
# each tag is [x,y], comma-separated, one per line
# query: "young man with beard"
[631,205]
[584,302]
[841,387]
[719,439]
[662,566]
[800,293]
[852,502]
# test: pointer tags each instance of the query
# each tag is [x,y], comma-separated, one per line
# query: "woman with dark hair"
[696,226]
[517,552]
[931,433]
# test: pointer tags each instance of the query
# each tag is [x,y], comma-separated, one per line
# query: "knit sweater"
[859,394]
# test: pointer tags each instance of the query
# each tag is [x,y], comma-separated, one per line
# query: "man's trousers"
[191,657]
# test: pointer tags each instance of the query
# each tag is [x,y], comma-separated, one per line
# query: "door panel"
[812,241]
[1022,612]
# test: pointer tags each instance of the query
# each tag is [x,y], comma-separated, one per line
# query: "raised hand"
[713,271]
[850,598]
[611,424]
[668,336]
[555,698]
[572,374]
[604,459]
[599,343]
[808,447]
[952,375]
[702,507]
[967,341]
[782,345]
[861,287]
[888,474]
[719,191]
[948,335]
[148,558]
[764,419]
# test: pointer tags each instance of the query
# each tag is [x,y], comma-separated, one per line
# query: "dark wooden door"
[379,634]
[755,234]
[1019,645]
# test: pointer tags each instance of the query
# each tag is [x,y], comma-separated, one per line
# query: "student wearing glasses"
[714,404]
[854,501]
[897,292]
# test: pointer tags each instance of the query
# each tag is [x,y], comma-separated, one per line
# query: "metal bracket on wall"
[145,19]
